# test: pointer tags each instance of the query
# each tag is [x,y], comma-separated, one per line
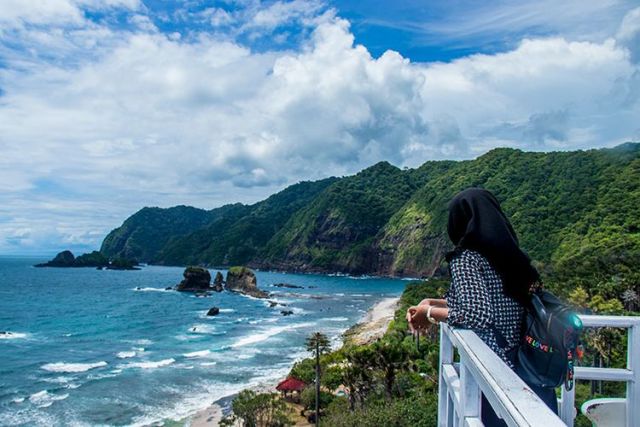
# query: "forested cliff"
[573,211]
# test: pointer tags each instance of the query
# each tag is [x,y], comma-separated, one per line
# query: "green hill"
[575,213]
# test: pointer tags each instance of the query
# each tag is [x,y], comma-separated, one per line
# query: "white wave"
[18,400]
[72,367]
[58,380]
[44,399]
[139,349]
[202,353]
[227,310]
[188,367]
[208,363]
[149,364]
[266,334]
[7,335]
[152,290]
[126,354]
[202,328]
[336,319]
[143,341]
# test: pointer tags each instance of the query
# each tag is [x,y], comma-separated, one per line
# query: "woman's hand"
[417,317]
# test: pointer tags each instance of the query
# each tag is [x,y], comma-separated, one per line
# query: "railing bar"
[603,374]
[593,321]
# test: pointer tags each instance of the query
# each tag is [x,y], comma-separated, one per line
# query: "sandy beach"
[372,326]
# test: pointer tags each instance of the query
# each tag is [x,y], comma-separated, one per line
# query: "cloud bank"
[98,121]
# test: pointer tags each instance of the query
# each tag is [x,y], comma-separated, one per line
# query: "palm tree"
[318,343]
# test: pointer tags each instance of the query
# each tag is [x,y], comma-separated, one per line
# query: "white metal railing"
[630,375]
[482,372]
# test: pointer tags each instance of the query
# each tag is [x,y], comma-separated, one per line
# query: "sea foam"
[266,334]
[72,367]
[149,364]
[202,353]
[44,399]
[126,354]
[12,335]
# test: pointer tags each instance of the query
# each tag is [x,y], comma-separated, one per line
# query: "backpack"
[550,334]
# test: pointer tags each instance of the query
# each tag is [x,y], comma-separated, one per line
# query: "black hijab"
[477,222]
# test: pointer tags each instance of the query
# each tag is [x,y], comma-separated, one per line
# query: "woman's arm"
[473,308]
[435,302]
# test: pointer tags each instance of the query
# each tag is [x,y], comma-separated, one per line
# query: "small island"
[96,259]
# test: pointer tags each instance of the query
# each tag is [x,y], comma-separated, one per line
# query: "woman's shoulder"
[468,257]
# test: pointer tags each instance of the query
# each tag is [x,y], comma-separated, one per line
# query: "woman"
[491,278]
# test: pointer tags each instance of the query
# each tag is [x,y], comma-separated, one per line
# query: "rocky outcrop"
[287,285]
[62,259]
[213,311]
[218,282]
[196,279]
[94,259]
[243,280]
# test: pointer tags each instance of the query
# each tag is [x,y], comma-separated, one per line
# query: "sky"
[109,106]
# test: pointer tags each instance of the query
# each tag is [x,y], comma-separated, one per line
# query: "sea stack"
[218,282]
[243,280]
[196,279]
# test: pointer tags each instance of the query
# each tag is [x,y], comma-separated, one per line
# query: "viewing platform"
[481,372]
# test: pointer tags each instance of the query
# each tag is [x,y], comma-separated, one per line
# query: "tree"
[318,343]
[391,356]
[258,410]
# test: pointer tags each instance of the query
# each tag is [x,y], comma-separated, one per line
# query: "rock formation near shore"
[93,259]
[218,282]
[243,280]
[196,279]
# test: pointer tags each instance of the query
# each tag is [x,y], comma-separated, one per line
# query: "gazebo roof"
[291,384]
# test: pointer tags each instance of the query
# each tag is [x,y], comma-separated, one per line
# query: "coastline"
[371,326]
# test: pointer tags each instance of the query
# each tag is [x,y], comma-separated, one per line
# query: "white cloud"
[142,118]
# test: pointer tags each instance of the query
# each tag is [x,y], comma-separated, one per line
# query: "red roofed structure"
[291,385]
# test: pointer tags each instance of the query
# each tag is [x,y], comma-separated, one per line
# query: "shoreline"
[372,325]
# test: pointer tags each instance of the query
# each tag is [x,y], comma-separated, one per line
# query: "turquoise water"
[91,347]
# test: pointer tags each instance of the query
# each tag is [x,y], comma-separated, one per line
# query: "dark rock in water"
[287,285]
[195,279]
[122,264]
[213,311]
[286,312]
[93,259]
[243,280]
[276,303]
[219,280]
[62,259]
[168,288]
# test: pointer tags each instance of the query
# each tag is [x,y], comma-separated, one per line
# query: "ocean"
[92,347]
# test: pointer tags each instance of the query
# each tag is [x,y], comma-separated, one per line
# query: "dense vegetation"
[575,213]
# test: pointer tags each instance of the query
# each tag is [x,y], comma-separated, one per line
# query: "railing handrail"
[482,372]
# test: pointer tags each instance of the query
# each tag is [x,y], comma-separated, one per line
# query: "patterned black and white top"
[477,301]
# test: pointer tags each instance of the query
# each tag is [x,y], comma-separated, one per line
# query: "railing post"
[470,396]
[633,364]
[446,356]
[567,405]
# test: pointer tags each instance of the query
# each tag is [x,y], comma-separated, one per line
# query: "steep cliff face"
[389,221]
[334,233]
[147,231]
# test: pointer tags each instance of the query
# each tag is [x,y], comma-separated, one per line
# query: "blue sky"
[107,106]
